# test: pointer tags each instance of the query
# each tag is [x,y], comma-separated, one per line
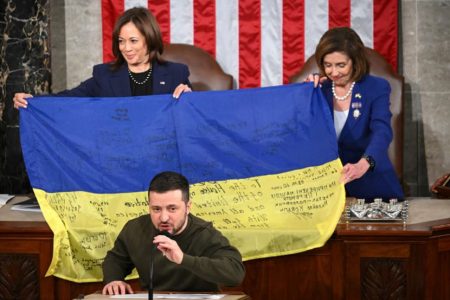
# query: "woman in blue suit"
[359,103]
[138,68]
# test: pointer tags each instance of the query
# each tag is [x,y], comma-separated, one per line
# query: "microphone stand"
[152,256]
[150,283]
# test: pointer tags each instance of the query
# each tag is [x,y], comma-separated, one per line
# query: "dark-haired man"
[196,256]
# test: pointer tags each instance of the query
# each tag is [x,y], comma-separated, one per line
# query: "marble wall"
[25,66]
[71,62]
[424,62]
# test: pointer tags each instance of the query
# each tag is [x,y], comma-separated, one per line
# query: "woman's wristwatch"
[370,160]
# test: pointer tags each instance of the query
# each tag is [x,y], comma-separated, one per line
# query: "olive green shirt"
[209,261]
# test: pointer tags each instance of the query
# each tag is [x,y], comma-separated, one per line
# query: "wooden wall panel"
[23,264]
[308,274]
[444,267]
[360,261]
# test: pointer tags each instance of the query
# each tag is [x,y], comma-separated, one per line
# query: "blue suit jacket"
[368,131]
[106,83]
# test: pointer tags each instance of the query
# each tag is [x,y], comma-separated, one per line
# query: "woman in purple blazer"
[138,68]
[359,103]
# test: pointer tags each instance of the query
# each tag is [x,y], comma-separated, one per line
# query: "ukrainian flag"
[263,166]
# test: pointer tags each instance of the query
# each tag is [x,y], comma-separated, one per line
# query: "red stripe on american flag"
[339,13]
[161,10]
[385,30]
[205,25]
[249,43]
[293,37]
[111,10]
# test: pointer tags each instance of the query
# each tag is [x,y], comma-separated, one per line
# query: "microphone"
[166,233]
[152,255]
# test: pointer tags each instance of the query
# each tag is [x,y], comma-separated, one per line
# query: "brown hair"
[346,40]
[147,25]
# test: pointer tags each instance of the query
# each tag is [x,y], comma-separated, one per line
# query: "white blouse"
[339,121]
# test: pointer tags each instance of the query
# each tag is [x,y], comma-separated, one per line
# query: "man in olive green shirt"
[196,256]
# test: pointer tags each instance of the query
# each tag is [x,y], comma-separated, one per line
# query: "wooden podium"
[173,296]
[360,261]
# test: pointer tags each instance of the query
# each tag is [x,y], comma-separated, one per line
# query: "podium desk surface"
[173,296]
[9,215]
[421,210]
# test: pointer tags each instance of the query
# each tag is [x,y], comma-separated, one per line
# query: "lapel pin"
[162,82]
[356,106]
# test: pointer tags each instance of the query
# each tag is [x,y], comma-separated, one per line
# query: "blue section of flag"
[116,145]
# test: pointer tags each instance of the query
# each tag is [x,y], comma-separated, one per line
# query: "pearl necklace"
[146,77]
[342,98]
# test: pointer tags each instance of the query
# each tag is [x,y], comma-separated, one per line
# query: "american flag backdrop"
[263,42]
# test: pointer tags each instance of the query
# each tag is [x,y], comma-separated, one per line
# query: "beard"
[177,228]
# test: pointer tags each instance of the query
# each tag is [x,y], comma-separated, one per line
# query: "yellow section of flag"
[262,216]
